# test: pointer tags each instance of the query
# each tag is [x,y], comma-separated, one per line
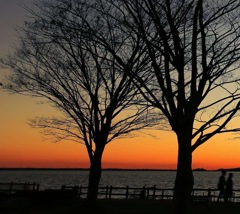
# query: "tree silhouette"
[61,58]
[194,49]
[181,56]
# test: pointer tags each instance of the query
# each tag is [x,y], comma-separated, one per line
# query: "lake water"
[51,179]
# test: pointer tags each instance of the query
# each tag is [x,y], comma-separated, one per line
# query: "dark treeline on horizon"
[113,169]
[85,169]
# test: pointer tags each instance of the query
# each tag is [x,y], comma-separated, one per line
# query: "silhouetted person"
[221,185]
[229,188]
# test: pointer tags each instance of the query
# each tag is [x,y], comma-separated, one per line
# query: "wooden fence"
[110,192]
[12,188]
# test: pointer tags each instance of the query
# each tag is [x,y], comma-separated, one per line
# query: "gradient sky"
[22,146]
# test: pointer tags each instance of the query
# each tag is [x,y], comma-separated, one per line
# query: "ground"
[134,206]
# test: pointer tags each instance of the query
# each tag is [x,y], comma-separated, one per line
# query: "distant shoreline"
[112,169]
[86,169]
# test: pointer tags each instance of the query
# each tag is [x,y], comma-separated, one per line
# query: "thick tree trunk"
[94,177]
[184,178]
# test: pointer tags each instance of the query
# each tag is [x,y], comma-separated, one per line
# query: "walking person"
[221,185]
[229,188]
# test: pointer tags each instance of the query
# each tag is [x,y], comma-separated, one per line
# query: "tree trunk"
[94,177]
[184,177]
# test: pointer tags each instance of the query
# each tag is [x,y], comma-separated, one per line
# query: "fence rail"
[110,192]
[12,188]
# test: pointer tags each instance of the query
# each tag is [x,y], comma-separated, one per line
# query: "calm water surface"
[162,179]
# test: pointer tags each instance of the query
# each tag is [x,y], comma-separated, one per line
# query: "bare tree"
[61,57]
[194,49]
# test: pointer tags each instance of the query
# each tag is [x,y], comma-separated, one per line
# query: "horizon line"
[112,169]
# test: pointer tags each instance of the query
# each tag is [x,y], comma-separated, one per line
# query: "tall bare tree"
[61,57]
[194,49]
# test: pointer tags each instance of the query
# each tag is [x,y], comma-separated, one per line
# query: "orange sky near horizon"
[22,146]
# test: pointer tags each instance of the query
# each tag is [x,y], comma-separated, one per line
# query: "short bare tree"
[61,57]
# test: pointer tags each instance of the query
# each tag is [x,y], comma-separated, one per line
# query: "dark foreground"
[136,206]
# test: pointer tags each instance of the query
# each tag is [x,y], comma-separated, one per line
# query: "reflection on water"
[162,179]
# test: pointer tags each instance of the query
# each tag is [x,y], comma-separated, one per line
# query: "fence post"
[148,193]
[110,192]
[154,191]
[11,187]
[25,186]
[80,192]
[162,194]
[209,195]
[143,192]
[106,193]
[34,186]
[127,191]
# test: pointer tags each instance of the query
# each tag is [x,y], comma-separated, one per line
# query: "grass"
[25,206]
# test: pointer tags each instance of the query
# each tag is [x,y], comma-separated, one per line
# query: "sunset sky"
[23,146]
